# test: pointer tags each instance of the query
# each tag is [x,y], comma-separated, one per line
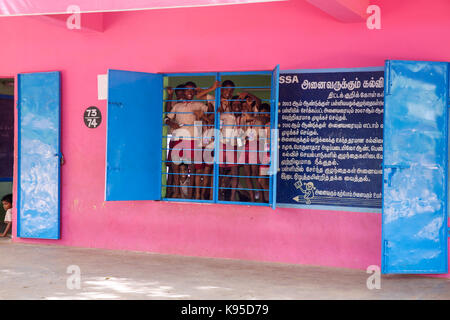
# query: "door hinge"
[61,157]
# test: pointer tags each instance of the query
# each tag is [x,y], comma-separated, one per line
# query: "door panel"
[38,212]
[414,227]
[274,136]
[134,136]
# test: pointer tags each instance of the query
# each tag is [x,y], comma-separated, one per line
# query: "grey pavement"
[41,272]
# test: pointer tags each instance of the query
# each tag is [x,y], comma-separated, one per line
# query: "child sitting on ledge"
[7,205]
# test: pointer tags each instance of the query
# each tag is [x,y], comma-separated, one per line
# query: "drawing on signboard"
[307,189]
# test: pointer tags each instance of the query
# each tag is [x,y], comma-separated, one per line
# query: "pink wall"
[20,7]
[294,34]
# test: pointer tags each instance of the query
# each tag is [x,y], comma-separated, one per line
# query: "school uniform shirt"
[169,128]
[228,128]
[241,129]
[186,120]
[185,187]
[211,97]
[8,216]
[208,131]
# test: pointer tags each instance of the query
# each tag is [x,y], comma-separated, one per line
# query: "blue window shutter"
[134,136]
[38,198]
[414,218]
[274,137]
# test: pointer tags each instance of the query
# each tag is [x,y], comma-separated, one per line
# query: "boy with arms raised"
[182,120]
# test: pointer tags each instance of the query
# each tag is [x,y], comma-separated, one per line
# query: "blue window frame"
[135,170]
[216,188]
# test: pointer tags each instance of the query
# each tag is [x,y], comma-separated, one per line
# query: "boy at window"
[226,92]
[182,120]
[248,153]
[204,169]
[179,94]
[7,206]
[228,155]
[185,182]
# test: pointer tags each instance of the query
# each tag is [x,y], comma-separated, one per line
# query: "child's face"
[189,93]
[6,205]
[227,92]
[245,107]
[179,94]
[236,106]
[183,172]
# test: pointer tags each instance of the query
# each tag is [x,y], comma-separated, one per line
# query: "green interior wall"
[239,81]
[5,88]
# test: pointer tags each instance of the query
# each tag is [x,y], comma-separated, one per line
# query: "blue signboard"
[331,138]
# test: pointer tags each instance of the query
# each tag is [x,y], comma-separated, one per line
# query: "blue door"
[414,218]
[133,155]
[38,201]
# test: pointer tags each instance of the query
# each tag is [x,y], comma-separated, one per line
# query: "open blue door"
[38,186]
[414,222]
[274,136]
[134,137]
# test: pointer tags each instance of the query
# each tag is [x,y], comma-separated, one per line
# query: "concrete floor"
[40,272]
